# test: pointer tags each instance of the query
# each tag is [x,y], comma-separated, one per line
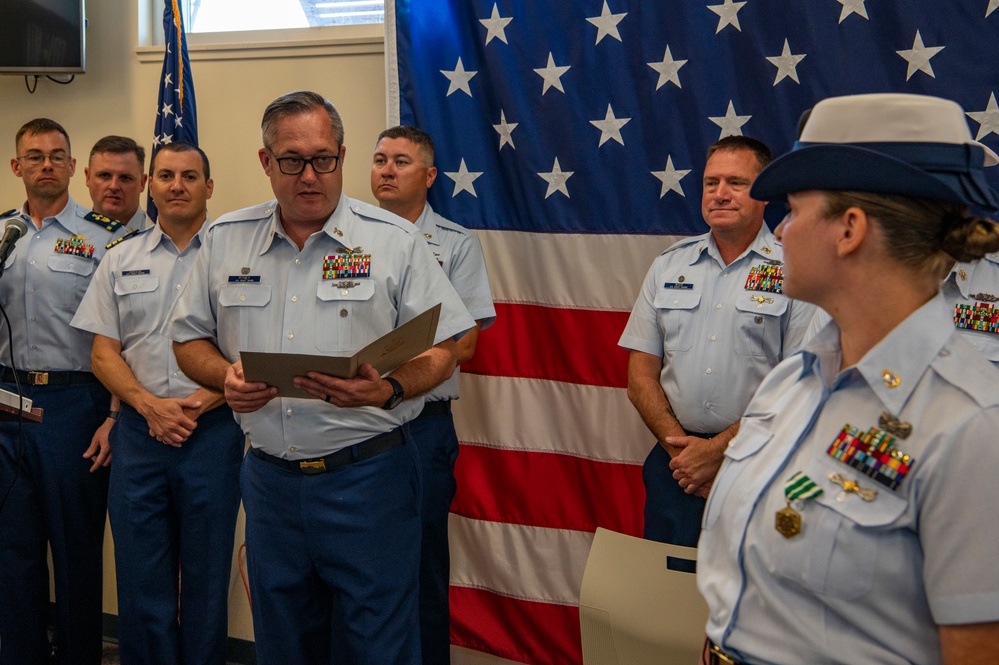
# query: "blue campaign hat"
[888,143]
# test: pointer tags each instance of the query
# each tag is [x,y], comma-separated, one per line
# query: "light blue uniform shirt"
[716,338]
[459,253]
[976,282]
[41,289]
[864,581]
[253,290]
[129,299]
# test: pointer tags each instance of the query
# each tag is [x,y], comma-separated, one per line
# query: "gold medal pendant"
[788,522]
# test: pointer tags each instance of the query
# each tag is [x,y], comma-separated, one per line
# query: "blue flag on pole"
[176,108]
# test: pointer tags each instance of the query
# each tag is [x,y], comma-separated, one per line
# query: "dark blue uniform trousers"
[334,559]
[671,515]
[433,431]
[56,500]
[174,507]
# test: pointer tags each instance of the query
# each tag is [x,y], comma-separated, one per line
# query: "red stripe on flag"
[548,490]
[558,344]
[520,630]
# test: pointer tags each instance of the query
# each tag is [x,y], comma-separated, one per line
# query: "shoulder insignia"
[10,212]
[133,232]
[109,224]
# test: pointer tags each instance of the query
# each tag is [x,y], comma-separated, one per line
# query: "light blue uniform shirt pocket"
[759,330]
[343,315]
[137,302]
[677,311]
[72,275]
[244,301]
[754,433]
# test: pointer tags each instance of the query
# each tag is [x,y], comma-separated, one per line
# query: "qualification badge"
[798,487]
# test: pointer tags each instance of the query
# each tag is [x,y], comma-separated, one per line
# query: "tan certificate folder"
[385,354]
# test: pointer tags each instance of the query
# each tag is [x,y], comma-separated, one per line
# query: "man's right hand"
[167,420]
[244,397]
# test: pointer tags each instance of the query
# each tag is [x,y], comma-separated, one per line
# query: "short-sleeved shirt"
[459,253]
[718,328]
[129,298]
[865,581]
[43,283]
[364,274]
[972,290]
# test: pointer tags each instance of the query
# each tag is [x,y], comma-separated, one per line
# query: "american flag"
[176,108]
[571,136]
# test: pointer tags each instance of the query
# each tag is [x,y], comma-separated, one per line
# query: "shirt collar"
[427,225]
[763,245]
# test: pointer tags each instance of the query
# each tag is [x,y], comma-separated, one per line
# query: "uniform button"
[675,302]
[345,292]
[714,339]
[71,265]
[32,262]
[724,274]
[32,319]
[288,412]
[758,319]
[35,348]
[179,287]
[181,259]
[176,373]
[298,262]
[718,306]
[708,405]
[343,312]
[707,371]
[242,298]
[294,298]
[292,449]
[291,335]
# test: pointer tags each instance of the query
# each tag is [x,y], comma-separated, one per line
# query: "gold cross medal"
[798,487]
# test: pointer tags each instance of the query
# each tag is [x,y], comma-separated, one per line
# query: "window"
[203,16]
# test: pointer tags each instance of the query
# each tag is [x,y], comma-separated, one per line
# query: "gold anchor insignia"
[766,250]
[337,232]
[891,380]
[852,486]
[964,275]
[893,425]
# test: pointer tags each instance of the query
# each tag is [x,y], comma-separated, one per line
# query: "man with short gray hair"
[331,485]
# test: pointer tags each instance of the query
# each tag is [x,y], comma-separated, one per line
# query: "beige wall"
[117,95]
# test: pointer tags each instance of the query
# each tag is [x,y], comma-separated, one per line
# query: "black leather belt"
[355,453]
[718,657]
[46,378]
[436,408]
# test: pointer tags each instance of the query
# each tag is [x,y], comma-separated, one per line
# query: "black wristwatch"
[397,394]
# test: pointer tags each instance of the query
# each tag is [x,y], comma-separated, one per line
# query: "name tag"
[242,279]
[681,286]
[130,273]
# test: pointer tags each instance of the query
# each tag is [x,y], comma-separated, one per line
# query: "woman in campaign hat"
[856,516]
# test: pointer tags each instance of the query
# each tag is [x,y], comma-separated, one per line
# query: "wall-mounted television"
[42,37]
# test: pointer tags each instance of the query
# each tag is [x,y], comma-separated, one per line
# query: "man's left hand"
[697,463]
[100,448]
[365,389]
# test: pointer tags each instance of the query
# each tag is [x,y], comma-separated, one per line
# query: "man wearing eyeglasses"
[60,494]
[331,486]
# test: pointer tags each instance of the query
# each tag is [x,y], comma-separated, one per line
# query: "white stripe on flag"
[614,430]
[504,558]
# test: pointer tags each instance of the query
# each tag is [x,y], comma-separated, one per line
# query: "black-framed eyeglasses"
[58,159]
[319,164]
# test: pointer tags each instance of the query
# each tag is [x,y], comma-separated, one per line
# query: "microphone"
[13,230]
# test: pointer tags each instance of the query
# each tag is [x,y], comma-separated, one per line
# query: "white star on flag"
[607,23]
[919,56]
[167,109]
[669,69]
[988,120]
[786,64]
[556,179]
[853,7]
[496,26]
[459,79]
[731,124]
[168,80]
[610,127]
[671,178]
[463,179]
[178,121]
[166,138]
[728,14]
[993,5]
[505,130]
[552,75]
